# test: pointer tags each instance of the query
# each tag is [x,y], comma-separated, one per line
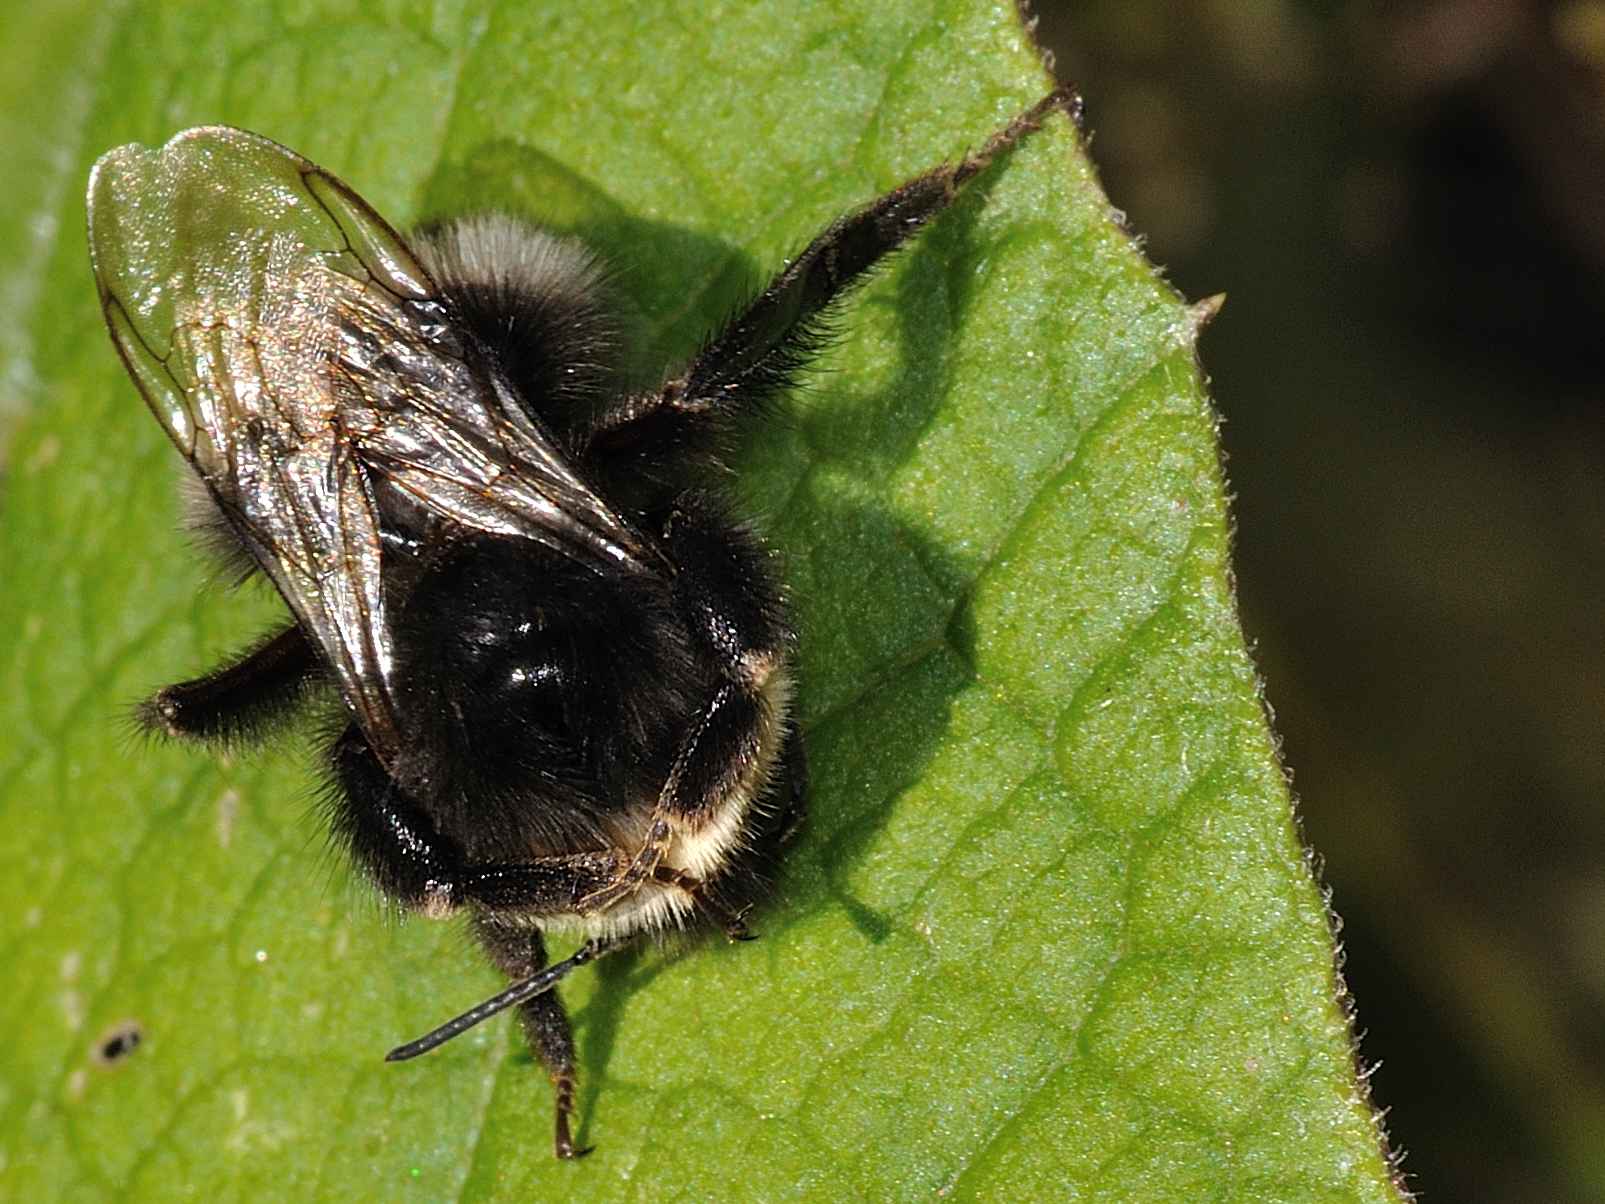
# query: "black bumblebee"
[564,667]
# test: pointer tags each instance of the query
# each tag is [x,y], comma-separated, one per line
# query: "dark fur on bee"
[568,693]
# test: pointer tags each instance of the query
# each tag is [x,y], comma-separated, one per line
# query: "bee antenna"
[537,983]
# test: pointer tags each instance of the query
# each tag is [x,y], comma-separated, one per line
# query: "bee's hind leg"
[519,952]
[242,698]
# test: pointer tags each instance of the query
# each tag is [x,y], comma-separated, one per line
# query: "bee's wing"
[294,350]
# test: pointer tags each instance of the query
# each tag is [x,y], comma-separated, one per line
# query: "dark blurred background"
[1405,204]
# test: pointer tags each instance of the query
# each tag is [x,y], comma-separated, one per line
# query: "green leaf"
[1050,931]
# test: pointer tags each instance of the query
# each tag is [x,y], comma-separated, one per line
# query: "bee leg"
[413,863]
[519,952]
[239,699]
[754,358]
[640,866]
[709,778]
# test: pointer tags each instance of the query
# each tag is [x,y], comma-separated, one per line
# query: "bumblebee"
[561,665]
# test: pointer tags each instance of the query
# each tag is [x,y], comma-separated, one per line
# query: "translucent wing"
[295,351]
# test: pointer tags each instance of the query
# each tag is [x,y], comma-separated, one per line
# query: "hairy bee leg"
[756,354]
[542,885]
[240,698]
[518,952]
[788,820]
